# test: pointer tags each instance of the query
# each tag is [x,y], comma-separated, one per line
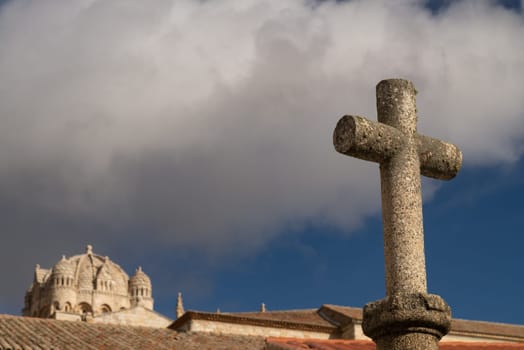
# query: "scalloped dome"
[140,278]
[87,268]
[64,268]
[86,283]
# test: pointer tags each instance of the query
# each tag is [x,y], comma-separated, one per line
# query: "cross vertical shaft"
[401,192]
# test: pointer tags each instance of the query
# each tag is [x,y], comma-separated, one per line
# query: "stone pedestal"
[407,321]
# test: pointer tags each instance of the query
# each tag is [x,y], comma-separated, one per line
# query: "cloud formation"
[208,123]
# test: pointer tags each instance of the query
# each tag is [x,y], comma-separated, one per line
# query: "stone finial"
[63,257]
[262,307]
[89,249]
[37,266]
[179,306]
[218,310]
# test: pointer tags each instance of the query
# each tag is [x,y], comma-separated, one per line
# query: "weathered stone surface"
[358,137]
[405,313]
[408,318]
[438,159]
[361,138]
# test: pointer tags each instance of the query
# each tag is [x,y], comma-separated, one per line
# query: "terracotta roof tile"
[203,341]
[501,330]
[316,344]
[348,311]
[340,315]
[307,316]
[34,333]
[481,346]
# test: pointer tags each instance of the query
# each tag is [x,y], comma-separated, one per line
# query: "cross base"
[407,321]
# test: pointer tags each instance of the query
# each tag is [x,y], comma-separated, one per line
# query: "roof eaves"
[245,320]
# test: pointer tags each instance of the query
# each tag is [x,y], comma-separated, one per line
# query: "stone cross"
[408,314]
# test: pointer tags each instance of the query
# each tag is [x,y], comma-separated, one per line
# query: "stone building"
[90,286]
[118,314]
[328,322]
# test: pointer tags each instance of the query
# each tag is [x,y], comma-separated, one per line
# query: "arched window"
[105,308]
[84,308]
[67,307]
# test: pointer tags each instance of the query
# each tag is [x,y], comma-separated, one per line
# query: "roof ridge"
[269,311]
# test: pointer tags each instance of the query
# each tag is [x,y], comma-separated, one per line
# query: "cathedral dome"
[140,278]
[64,268]
[89,268]
[86,284]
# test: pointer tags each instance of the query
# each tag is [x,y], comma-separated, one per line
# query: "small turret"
[63,274]
[140,289]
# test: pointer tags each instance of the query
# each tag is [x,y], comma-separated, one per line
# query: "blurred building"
[92,287]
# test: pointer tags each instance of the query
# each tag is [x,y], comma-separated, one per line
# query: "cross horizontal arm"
[438,159]
[365,139]
[373,141]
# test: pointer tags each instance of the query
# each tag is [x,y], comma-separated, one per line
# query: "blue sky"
[473,251]
[194,139]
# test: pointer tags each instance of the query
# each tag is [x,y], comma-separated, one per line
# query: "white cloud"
[209,122]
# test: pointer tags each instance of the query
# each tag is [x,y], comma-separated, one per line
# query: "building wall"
[243,329]
[136,316]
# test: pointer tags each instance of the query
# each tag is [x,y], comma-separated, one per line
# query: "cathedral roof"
[87,267]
